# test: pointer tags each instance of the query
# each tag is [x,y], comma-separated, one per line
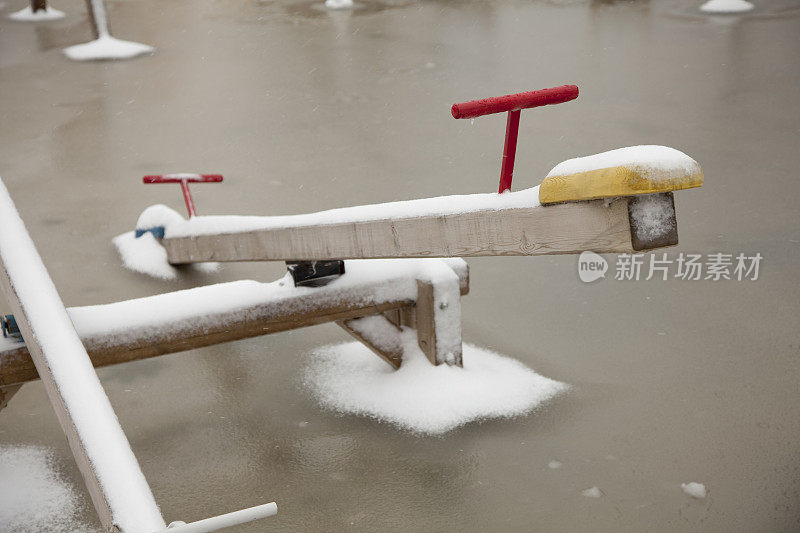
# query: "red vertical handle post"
[187,197]
[509,150]
[513,103]
[184,180]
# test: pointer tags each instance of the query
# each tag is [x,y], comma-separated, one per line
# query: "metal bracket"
[314,273]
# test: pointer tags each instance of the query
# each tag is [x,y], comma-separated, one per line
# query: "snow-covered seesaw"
[379,271]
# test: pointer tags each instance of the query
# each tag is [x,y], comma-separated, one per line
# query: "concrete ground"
[303,109]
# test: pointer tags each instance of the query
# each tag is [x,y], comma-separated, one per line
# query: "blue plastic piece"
[10,328]
[158,232]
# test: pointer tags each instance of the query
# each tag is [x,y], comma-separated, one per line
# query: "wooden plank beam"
[16,366]
[115,482]
[599,226]
[207,326]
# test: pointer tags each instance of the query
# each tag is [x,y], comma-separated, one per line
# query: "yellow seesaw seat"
[623,172]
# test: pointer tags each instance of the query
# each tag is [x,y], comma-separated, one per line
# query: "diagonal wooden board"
[115,482]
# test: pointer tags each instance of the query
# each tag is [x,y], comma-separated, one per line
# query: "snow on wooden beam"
[184,320]
[583,204]
[115,482]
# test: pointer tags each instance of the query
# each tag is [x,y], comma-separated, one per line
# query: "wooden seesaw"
[403,271]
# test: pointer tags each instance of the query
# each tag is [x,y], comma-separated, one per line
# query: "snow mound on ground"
[338,4]
[28,15]
[695,490]
[593,492]
[107,47]
[420,397]
[146,256]
[726,6]
[33,496]
[652,161]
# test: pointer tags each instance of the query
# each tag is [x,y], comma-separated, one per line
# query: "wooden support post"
[424,318]
[435,315]
[435,334]
[380,332]
[38,5]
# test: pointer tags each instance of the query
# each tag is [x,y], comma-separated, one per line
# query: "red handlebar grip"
[178,178]
[514,102]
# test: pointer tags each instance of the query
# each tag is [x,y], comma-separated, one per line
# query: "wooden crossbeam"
[206,324]
[600,226]
[16,365]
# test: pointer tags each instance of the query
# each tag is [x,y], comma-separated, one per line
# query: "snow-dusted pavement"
[672,383]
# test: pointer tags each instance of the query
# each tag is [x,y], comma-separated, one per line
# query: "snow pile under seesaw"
[339,4]
[695,490]
[33,496]
[422,398]
[726,6]
[29,15]
[107,47]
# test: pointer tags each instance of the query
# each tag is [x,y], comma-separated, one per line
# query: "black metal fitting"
[315,273]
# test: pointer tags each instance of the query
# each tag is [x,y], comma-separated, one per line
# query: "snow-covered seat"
[623,172]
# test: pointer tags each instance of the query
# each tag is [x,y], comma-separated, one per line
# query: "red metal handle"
[515,102]
[178,178]
[184,180]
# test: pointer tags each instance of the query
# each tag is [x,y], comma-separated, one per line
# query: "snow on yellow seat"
[623,172]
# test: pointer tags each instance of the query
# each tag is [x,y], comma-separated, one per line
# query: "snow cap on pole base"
[107,47]
[28,15]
